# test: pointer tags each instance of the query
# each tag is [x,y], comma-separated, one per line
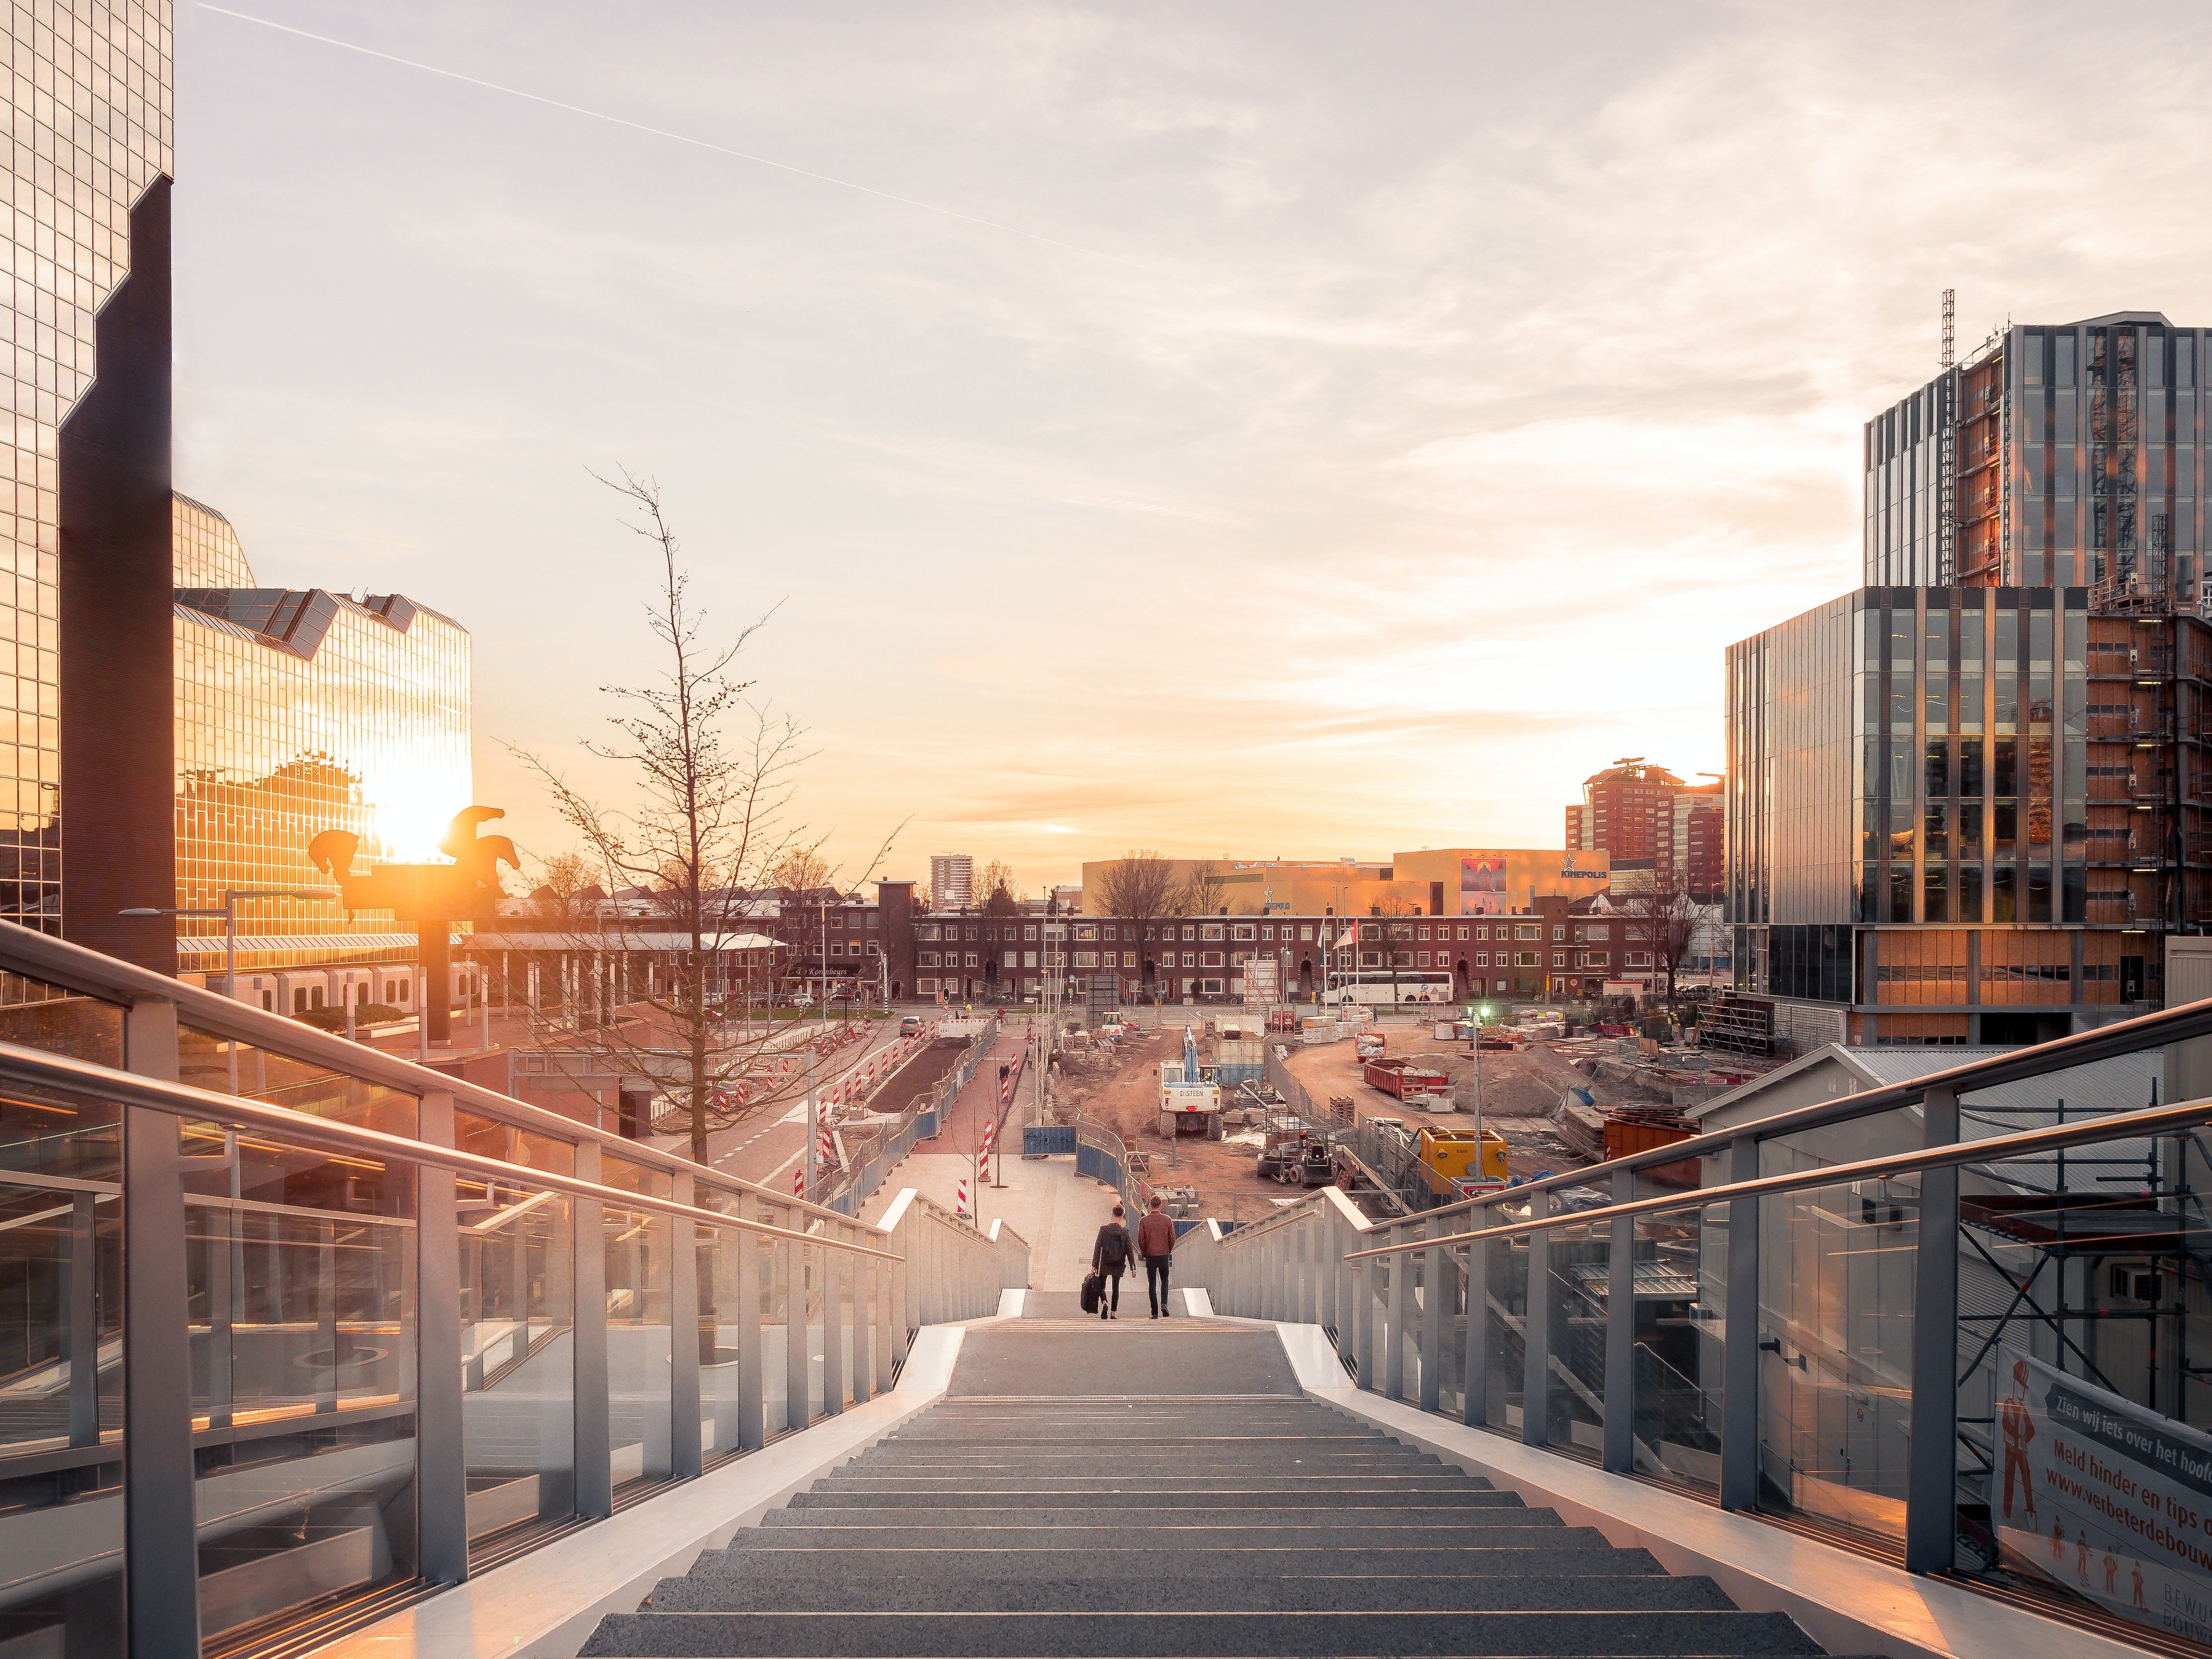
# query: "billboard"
[1482,886]
[2110,1498]
[1488,881]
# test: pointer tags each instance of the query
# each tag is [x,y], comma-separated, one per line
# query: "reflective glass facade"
[2061,455]
[88,115]
[1910,805]
[298,712]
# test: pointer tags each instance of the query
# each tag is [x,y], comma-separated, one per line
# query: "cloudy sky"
[1263,429]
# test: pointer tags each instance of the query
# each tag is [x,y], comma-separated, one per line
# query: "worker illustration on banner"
[2112,1499]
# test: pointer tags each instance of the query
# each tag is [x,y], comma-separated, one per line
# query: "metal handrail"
[2192,1019]
[2138,1125]
[106,979]
[39,1069]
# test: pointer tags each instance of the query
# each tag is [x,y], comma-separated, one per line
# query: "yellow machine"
[1447,1154]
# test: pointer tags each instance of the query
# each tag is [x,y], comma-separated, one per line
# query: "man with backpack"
[1112,1252]
[1156,1242]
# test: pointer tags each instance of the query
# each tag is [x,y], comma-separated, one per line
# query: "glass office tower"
[84,699]
[1962,814]
[299,712]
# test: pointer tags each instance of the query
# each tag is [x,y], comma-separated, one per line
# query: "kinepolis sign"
[2110,1499]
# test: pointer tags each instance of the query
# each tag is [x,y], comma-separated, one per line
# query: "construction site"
[1231,1112]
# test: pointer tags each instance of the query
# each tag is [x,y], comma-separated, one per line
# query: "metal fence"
[851,1188]
[271,1360]
[1910,1317]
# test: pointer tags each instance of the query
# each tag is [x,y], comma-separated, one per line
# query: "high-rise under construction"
[2054,456]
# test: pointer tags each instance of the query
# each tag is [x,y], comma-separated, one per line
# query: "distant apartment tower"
[952,880]
[1651,820]
[2057,455]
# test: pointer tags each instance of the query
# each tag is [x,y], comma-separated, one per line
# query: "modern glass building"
[1965,814]
[298,712]
[84,628]
[2058,455]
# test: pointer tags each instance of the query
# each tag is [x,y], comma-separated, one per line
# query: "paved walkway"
[1044,1200]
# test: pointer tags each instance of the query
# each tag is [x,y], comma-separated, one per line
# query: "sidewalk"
[1058,1212]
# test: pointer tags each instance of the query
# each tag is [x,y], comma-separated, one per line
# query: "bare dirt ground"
[1519,1089]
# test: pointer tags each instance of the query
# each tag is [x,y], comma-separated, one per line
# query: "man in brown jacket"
[1155,1243]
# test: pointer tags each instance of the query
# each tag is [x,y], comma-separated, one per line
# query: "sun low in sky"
[1273,429]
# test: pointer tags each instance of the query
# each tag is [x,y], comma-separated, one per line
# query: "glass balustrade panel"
[2084,1448]
[300,1269]
[1505,1347]
[1581,1284]
[1836,1292]
[639,1346]
[517,1265]
[207,1062]
[61,1360]
[774,1274]
[1681,1300]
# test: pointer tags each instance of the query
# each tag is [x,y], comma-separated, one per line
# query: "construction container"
[1449,1153]
[1404,1076]
[1635,1131]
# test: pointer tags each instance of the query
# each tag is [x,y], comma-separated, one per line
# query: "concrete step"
[1210,1498]
[1153,1485]
[1165,1592]
[1082,1458]
[1321,1534]
[1201,1635]
[1137,1519]
[1134,1560]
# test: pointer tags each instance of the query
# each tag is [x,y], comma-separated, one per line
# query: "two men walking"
[1114,1250]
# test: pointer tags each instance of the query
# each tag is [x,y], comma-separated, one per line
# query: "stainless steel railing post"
[1537,1327]
[1618,1453]
[1931,1504]
[1474,1406]
[686,1453]
[752,1424]
[441,1483]
[1432,1318]
[595,1494]
[1740,1350]
[160,1544]
[833,1332]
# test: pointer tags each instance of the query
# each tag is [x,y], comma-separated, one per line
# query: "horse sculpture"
[431,896]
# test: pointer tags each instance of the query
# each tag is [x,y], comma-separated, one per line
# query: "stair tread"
[1530,1592]
[1112,1634]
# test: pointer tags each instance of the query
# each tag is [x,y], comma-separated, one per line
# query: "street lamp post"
[228,912]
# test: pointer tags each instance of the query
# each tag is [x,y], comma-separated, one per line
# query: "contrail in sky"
[658,133]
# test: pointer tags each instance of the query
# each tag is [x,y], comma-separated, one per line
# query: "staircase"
[1201,1526]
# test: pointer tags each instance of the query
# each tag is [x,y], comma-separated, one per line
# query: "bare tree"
[994,889]
[711,772]
[565,880]
[1665,918]
[1200,894]
[1139,887]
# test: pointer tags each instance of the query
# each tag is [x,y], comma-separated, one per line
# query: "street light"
[228,912]
[1474,1044]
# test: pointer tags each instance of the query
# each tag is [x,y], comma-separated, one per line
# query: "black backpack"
[1113,1248]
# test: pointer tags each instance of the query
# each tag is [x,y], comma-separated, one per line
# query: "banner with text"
[2110,1498]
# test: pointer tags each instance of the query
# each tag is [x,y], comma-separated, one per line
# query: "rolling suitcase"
[1093,1288]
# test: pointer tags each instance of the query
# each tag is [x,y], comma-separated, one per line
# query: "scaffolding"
[1738,1025]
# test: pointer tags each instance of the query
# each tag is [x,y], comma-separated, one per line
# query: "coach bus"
[1381,988]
